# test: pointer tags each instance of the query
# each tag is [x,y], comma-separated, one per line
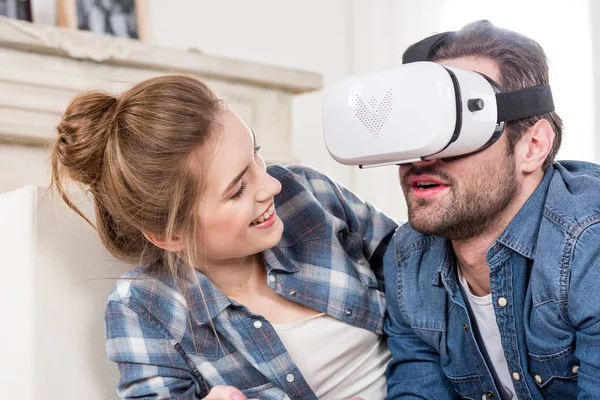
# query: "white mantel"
[42,67]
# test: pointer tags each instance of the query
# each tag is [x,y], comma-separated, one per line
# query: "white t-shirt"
[483,312]
[337,360]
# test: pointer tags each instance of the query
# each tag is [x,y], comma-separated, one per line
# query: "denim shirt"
[544,277]
[171,343]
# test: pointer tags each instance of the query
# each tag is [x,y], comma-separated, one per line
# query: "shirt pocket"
[467,387]
[556,374]
[267,391]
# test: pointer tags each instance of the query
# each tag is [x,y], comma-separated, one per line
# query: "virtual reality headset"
[420,111]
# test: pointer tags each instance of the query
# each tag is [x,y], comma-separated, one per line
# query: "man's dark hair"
[521,62]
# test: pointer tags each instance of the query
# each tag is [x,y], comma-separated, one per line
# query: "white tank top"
[337,360]
[483,312]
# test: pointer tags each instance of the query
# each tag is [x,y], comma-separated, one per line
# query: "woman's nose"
[269,188]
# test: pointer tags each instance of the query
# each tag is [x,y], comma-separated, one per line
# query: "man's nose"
[421,163]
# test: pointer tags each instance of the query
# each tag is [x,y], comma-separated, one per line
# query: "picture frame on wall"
[16,9]
[123,18]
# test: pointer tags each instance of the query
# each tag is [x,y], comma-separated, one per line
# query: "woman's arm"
[151,365]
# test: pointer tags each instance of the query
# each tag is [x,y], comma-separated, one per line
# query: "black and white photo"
[17,9]
[113,17]
[122,18]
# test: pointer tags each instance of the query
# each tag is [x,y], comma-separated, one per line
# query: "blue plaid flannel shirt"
[329,259]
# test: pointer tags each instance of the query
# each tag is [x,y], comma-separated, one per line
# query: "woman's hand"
[222,392]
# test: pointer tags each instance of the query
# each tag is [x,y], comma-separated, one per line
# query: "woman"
[252,281]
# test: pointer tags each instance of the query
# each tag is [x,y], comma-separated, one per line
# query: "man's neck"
[471,253]
[471,258]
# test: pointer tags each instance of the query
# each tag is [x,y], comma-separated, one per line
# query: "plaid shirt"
[329,259]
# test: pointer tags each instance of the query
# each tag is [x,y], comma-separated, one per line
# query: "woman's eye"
[240,192]
[256,148]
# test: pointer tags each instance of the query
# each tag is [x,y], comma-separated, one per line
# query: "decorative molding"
[122,51]
[43,67]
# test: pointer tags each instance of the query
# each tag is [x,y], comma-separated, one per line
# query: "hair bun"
[83,135]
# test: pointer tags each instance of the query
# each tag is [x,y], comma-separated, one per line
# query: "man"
[492,286]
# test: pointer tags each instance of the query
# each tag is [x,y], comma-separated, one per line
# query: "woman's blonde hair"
[136,154]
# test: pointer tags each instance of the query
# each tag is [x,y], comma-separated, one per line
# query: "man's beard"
[470,208]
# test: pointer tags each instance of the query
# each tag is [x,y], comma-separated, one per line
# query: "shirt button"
[361,262]
[497,247]
[465,327]
[538,378]
[516,376]
[257,324]
[489,394]
[502,302]
[348,313]
[290,378]
[575,369]
[292,292]
[272,278]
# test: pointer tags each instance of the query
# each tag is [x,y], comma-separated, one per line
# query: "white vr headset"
[421,110]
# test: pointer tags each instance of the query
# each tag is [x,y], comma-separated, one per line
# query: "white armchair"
[56,276]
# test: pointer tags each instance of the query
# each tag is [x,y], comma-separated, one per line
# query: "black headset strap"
[524,103]
[420,51]
[513,105]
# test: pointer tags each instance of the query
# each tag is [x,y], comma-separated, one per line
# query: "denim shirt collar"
[521,234]
[446,273]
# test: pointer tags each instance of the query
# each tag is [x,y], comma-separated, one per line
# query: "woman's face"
[236,209]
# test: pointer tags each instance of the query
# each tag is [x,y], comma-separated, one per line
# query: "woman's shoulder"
[141,286]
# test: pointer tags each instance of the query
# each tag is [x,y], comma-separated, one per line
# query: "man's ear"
[173,244]
[533,148]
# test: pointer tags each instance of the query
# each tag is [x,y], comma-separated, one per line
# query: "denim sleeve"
[150,365]
[584,309]
[414,371]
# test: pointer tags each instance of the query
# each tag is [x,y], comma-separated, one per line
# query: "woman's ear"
[173,244]
[533,148]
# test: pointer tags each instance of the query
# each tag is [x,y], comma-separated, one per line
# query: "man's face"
[462,198]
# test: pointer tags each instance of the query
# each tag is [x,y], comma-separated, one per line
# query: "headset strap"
[513,105]
[524,103]
[421,50]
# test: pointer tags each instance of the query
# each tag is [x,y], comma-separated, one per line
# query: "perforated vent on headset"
[374,115]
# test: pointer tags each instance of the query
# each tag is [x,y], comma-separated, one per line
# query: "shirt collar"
[445,274]
[205,300]
[522,232]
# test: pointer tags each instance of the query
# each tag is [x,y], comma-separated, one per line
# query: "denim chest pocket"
[466,386]
[456,361]
[556,374]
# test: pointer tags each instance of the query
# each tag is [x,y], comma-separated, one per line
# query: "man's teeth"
[265,216]
[426,184]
